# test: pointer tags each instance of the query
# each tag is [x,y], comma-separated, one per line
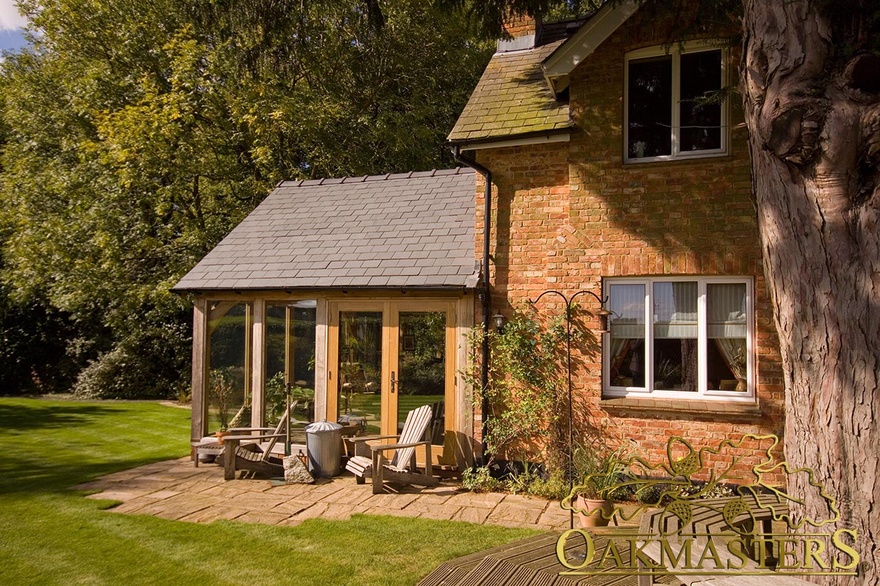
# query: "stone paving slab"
[505,513]
[177,490]
[472,514]
[215,513]
[441,513]
[292,506]
[392,512]
[263,517]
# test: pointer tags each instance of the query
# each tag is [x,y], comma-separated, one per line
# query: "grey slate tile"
[384,230]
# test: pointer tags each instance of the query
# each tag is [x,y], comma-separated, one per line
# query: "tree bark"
[814,136]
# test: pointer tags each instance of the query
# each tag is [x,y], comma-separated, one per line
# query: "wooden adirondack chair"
[217,448]
[369,461]
[245,451]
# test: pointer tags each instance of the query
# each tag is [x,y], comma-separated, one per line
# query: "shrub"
[479,479]
[149,365]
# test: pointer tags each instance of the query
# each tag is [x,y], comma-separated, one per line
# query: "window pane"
[726,329]
[650,107]
[627,324]
[290,355]
[360,366]
[700,122]
[229,402]
[275,399]
[675,336]
[422,362]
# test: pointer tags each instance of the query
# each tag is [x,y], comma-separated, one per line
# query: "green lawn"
[51,535]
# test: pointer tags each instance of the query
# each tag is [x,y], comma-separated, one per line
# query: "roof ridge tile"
[323,181]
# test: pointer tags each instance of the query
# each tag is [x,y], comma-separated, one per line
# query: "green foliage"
[33,340]
[553,486]
[159,349]
[489,16]
[138,134]
[276,398]
[684,18]
[599,470]
[479,479]
[530,480]
[527,388]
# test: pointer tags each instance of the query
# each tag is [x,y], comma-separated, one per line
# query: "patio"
[176,490]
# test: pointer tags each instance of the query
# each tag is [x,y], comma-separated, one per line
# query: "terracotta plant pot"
[220,435]
[599,512]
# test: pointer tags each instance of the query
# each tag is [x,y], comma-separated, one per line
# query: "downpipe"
[485,294]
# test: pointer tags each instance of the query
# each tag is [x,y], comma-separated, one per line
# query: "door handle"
[394,381]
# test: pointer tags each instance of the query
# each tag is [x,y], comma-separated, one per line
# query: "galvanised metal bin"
[323,440]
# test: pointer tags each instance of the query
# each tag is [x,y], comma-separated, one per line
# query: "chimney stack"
[523,29]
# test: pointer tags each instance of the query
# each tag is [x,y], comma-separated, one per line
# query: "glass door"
[389,357]
[359,368]
[421,369]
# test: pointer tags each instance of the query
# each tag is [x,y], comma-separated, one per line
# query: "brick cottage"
[609,173]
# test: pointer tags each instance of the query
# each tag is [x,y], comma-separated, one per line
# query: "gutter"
[485,294]
[561,134]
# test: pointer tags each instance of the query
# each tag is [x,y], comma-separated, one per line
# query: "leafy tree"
[140,133]
[809,81]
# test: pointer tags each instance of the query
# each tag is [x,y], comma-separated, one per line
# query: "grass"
[49,534]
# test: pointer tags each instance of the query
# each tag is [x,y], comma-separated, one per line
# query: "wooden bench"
[704,521]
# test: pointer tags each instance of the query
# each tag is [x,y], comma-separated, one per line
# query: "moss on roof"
[512,98]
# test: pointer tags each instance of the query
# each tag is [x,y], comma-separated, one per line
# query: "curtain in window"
[627,324]
[726,312]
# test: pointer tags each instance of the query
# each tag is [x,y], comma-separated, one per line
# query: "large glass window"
[687,337]
[290,357]
[672,107]
[229,363]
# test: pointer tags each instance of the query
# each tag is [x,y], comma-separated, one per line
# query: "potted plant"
[601,471]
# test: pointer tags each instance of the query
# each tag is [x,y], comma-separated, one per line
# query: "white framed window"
[666,115]
[680,337]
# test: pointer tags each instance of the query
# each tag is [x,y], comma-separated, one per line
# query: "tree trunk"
[814,136]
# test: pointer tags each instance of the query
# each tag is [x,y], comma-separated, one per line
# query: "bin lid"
[322,427]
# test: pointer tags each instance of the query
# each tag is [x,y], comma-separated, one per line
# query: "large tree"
[139,133]
[810,83]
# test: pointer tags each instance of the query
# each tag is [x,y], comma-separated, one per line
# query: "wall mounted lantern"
[498,319]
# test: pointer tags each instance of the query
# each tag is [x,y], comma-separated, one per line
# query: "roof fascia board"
[314,290]
[515,141]
[560,63]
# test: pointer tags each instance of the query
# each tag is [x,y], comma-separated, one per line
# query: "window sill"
[693,407]
[675,159]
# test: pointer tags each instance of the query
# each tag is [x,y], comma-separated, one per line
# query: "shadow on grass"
[51,445]
[20,474]
[31,417]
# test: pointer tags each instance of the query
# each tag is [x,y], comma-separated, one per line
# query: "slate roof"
[512,98]
[403,230]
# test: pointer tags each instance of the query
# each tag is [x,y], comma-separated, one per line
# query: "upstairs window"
[680,338]
[668,115]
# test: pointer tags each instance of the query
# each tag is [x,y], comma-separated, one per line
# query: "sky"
[10,26]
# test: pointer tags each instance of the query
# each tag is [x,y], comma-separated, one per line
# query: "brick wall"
[520,26]
[567,215]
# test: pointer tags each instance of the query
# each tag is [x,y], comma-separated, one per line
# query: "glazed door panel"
[389,357]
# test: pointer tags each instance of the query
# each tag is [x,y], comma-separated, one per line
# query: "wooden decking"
[530,562]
